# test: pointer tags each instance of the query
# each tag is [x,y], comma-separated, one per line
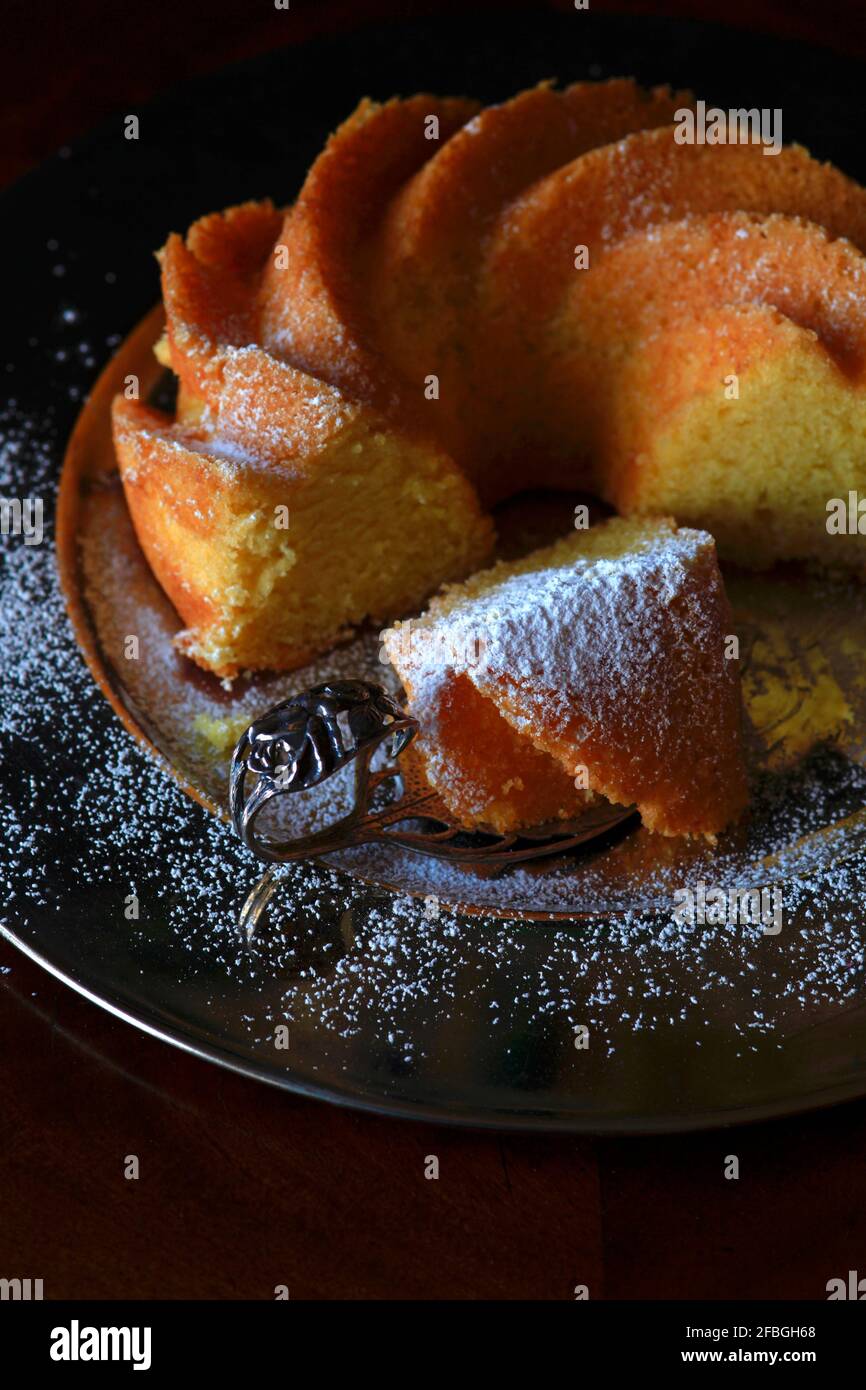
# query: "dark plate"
[391,1002]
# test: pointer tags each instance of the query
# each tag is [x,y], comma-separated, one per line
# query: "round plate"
[567,999]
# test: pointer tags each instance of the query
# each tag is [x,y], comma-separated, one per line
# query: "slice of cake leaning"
[600,666]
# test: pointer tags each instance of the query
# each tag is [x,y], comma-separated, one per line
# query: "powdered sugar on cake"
[608,643]
[607,653]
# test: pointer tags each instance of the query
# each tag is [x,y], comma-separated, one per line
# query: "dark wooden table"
[242,1188]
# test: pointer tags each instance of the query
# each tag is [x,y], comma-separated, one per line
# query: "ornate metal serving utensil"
[301,742]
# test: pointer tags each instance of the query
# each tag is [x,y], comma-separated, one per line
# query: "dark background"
[243,1188]
[71,63]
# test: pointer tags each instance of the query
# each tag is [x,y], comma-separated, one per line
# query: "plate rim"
[122,1007]
[527,1121]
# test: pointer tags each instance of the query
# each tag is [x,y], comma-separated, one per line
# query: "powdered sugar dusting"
[572,632]
[348,966]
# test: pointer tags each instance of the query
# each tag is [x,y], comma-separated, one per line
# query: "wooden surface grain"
[243,1188]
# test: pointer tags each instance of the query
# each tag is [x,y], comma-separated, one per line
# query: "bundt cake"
[594,667]
[464,302]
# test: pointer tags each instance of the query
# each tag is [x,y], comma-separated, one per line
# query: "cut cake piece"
[596,666]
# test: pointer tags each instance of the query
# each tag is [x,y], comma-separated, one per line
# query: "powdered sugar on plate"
[90,821]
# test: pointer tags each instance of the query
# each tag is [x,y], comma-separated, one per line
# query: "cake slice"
[597,666]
